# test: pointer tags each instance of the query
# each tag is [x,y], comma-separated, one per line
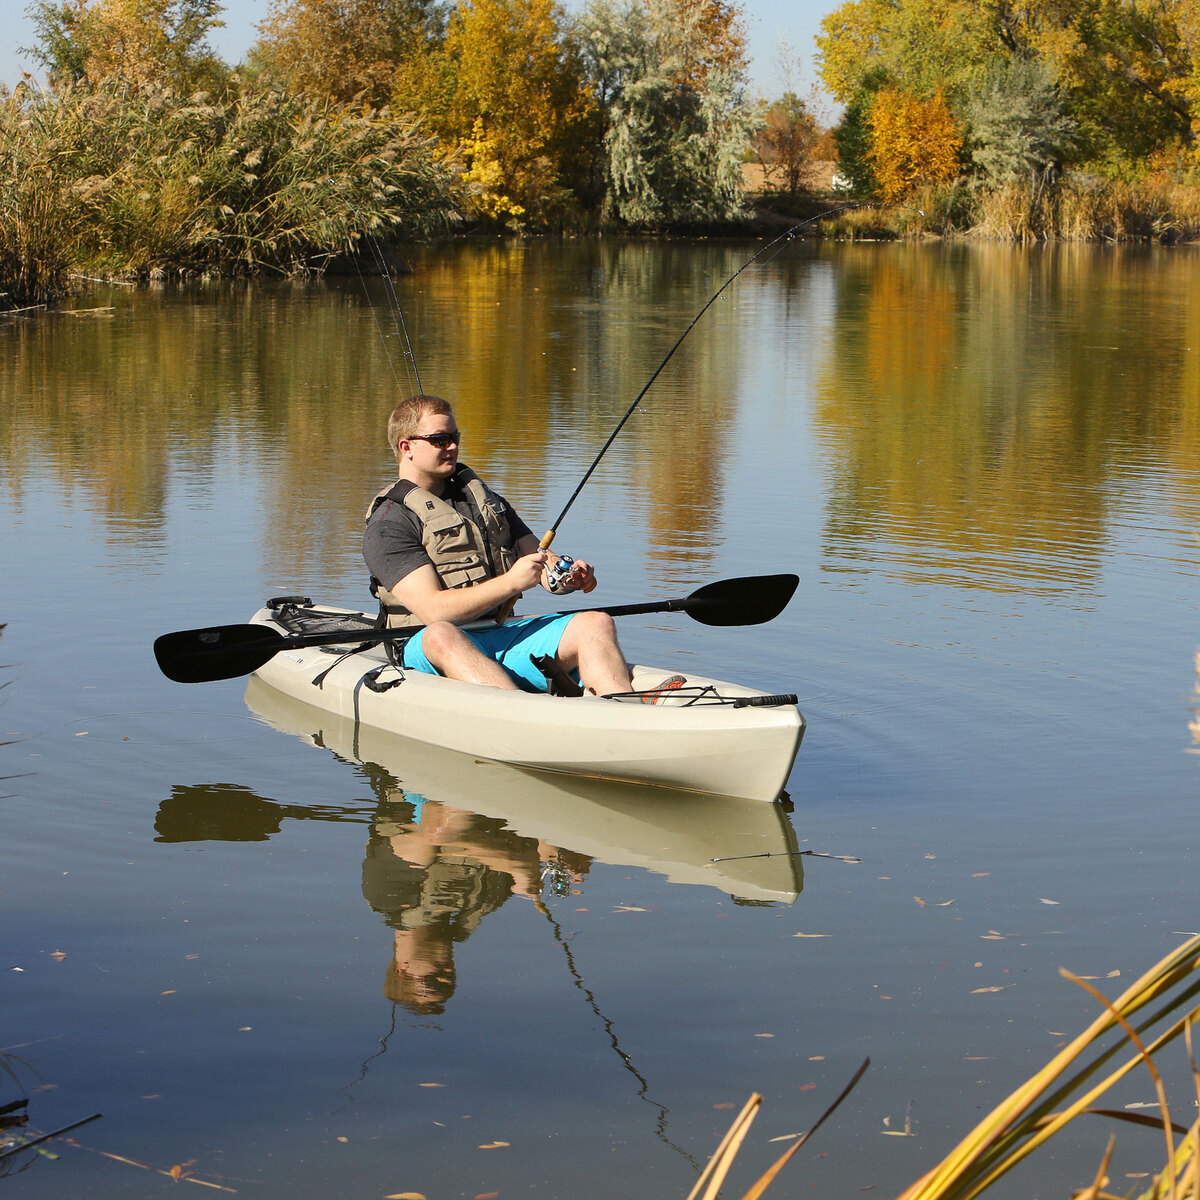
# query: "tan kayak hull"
[705,748]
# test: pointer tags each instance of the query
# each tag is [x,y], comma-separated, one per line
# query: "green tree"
[1128,70]
[674,137]
[925,46]
[852,137]
[1018,124]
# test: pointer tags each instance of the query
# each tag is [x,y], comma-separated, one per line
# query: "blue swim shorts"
[510,645]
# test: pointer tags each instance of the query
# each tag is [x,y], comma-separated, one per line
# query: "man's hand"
[526,572]
[581,579]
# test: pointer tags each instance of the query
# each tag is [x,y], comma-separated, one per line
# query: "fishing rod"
[786,236]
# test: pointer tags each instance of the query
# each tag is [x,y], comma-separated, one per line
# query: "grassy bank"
[136,182]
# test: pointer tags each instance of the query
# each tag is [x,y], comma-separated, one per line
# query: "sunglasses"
[440,440]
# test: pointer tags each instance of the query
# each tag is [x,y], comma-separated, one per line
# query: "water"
[985,465]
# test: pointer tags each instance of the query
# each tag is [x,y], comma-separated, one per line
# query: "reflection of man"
[433,877]
[443,549]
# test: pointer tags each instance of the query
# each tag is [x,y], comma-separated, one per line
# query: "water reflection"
[450,839]
[982,407]
[978,407]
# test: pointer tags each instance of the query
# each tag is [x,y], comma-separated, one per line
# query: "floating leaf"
[1045,901]
[806,1087]
[493,1145]
[945,903]
[811,935]
[981,874]
[431,1085]
[405,1196]
[998,988]
[919,901]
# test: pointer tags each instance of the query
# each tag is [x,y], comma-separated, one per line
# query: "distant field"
[818,177]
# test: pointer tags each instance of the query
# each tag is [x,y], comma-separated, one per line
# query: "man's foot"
[655,695]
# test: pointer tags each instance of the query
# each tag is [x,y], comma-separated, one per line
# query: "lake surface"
[983,462]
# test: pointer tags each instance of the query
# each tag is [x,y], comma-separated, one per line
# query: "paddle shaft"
[226,651]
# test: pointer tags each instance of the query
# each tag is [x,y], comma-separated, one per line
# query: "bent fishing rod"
[786,236]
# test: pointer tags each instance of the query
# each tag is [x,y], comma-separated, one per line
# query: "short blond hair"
[406,417]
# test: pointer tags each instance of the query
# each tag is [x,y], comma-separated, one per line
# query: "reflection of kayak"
[664,832]
[707,736]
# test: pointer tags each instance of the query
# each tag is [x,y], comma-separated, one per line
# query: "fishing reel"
[557,573]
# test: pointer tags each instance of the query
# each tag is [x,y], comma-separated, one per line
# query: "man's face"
[437,458]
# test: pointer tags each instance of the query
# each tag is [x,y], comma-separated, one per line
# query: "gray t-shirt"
[392,542]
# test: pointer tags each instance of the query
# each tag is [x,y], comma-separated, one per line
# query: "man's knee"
[595,627]
[441,639]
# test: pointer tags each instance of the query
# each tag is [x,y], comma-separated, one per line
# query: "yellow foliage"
[334,50]
[145,42]
[520,107]
[849,43]
[914,142]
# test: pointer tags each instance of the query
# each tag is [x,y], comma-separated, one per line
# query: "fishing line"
[389,287]
[784,237]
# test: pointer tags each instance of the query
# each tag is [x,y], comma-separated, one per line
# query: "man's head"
[406,417]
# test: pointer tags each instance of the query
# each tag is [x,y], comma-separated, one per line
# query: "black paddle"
[226,651]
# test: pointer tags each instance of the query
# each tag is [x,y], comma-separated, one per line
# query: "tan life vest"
[462,552]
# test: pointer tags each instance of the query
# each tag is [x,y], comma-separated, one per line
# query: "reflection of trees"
[982,404]
[977,404]
[540,346]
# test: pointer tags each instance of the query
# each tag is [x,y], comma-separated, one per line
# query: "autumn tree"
[674,134]
[159,42]
[340,49]
[715,39]
[518,108]
[1126,72]
[786,144]
[1128,69]
[914,142]
[921,45]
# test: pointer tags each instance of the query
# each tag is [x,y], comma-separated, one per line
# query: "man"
[443,549]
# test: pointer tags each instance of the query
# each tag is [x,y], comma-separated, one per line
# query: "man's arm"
[422,593]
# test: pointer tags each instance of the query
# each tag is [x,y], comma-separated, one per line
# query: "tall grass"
[1161,1007]
[139,182]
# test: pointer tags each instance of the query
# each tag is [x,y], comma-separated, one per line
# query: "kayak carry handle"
[764,701]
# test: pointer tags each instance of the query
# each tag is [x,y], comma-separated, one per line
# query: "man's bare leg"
[589,645]
[457,657]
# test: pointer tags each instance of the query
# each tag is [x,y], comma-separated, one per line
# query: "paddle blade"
[222,652]
[751,600]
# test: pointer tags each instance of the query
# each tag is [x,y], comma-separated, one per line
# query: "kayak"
[741,847]
[706,736]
